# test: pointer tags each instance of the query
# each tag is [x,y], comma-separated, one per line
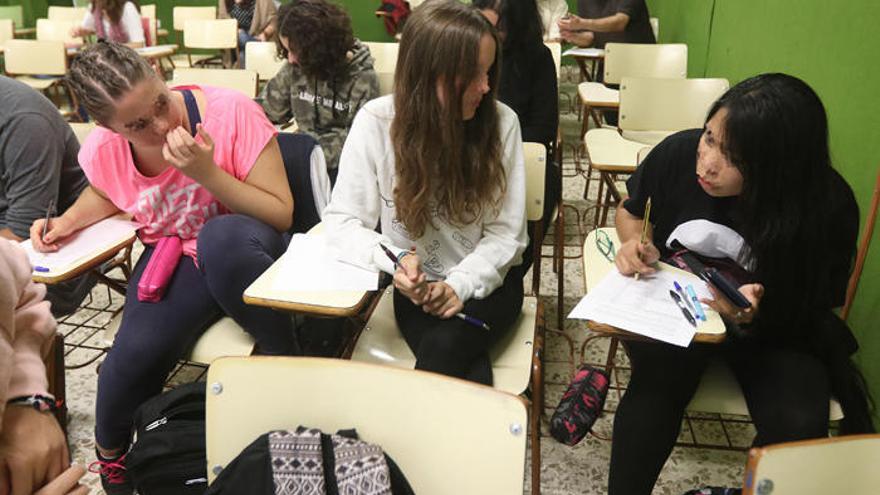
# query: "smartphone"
[714,277]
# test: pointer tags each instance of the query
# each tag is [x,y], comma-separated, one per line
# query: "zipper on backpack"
[155,424]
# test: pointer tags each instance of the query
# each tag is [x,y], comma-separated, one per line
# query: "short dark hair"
[319,33]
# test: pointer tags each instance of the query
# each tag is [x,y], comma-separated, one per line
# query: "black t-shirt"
[638,29]
[668,176]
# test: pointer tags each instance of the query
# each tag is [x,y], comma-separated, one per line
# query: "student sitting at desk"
[327,78]
[528,86]
[603,21]
[755,188]
[439,163]
[38,169]
[113,20]
[150,157]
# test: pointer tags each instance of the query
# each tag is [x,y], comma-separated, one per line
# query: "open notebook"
[82,247]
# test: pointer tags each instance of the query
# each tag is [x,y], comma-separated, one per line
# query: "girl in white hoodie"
[439,166]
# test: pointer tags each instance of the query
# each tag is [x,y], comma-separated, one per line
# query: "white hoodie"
[473,259]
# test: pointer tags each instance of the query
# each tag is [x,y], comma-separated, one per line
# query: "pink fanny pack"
[161,266]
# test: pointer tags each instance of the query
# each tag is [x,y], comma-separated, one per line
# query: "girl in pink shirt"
[198,163]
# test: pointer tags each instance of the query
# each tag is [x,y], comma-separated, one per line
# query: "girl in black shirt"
[755,187]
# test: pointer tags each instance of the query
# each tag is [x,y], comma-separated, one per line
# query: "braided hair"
[102,73]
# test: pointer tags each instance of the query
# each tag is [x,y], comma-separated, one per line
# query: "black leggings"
[787,393]
[454,347]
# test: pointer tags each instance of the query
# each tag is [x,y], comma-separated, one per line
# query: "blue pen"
[698,308]
[470,319]
[687,300]
[41,269]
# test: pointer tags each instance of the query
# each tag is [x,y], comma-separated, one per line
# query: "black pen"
[49,210]
[470,319]
[687,314]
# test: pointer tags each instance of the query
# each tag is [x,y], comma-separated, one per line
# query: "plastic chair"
[650,110]
[41,65]
[182,14]
[57,30]
[447,435]
[815,467]
[82,130]
[517,360]
[634,60]
[214,34]
[384,63]
[241,80]
[262,56]
[71,14]
[7,30]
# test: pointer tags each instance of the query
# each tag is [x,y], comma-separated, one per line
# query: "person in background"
[754,193]
[200,164]
[327,78]
[528,86]
[256,21]
[38,169]
[439,166]
[113,20]
[601,21]
[33,449]
[552,11]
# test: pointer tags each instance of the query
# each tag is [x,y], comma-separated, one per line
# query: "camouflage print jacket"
[323,108]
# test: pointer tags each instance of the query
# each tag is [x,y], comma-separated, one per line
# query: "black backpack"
[307,461]
[167,456]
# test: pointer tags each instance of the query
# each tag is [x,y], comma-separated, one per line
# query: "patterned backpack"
[306,461]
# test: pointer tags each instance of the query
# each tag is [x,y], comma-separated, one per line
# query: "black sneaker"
[114,477]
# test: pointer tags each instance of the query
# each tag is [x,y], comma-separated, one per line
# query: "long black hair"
[776,134]
[518,20]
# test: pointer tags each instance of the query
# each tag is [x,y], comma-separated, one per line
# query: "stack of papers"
[584,52]
[642,306]
[309,265]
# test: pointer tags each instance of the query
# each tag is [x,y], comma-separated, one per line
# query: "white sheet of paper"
[309,265]
[642,306]
[584,52]
[84,244]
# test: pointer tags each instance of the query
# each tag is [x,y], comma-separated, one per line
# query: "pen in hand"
[462,316]
[645,224]
[49,210]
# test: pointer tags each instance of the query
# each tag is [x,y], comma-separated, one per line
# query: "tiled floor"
[565,470]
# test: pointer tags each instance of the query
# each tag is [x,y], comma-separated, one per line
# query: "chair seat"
[610,152]
[381,342]
[223,338]
[719,392]
[598,95]
[646,138]
[40,83]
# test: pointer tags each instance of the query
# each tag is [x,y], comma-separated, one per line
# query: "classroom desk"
[24,31]
[611,154]
[263,293]
[92,263]
[584,56]
[596,266]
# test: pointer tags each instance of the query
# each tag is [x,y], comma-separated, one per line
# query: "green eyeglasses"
[605,245]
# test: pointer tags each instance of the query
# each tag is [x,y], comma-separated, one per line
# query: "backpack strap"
[331,485]
[192,110]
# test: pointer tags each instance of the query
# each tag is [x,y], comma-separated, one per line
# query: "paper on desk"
[584,52]
[642,306]
[309,265]
[86,243]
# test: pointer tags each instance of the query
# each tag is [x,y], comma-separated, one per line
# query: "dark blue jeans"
[233,251]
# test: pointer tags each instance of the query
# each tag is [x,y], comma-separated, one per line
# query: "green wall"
[835,51]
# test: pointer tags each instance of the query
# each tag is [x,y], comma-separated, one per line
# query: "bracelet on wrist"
[39,402]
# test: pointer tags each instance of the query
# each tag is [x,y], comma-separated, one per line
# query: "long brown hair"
[113,8]
[445,166]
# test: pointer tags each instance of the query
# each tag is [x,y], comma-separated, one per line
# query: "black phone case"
[718,281]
